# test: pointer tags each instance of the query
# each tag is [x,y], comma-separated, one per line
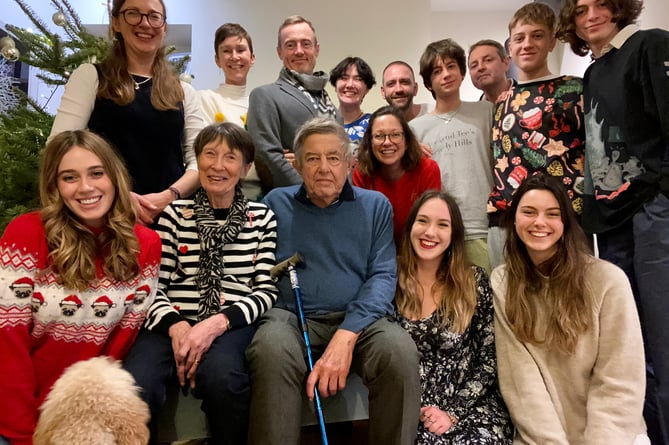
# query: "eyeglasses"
[380,138]
[133,18]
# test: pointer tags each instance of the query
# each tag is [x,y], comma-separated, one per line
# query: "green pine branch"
[23,133]
[52,53]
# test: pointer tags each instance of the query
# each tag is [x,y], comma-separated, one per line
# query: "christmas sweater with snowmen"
[45,327]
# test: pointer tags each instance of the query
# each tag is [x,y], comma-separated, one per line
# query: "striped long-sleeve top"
[248,290]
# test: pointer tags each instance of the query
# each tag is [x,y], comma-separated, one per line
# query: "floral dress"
[458,374]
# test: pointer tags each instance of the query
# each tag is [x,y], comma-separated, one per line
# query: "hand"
[426,149]
[290,156]
[143,208]
[156,202]
[435,420]
[177,333]
[331,370]
[194,344]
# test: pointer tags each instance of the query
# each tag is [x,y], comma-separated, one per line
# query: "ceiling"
[485,5]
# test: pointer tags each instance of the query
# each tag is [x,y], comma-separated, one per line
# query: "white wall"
[467,28]
[397,30]
[343,28]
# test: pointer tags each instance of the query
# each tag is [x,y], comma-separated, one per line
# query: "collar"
[619,39]
[232,91]
[346,194]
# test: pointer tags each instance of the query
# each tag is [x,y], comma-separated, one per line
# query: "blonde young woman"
[135,101]
[569,347]
[76,277]
[445,304]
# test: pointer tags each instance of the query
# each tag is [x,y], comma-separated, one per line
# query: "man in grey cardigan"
[277,110]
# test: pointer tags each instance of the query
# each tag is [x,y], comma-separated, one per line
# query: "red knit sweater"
[403,192]
[44,327]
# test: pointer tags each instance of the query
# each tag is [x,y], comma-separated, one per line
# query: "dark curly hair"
[625,12]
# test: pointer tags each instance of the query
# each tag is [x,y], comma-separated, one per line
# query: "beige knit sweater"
[593,396]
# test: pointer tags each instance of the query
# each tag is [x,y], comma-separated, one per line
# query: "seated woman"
[569,348]
[390,161]
[446,306]
[71,273]
[218,250]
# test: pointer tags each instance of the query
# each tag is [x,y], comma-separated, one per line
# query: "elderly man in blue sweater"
[345,235]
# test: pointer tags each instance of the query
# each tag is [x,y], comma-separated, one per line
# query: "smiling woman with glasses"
[133,17]
[390,161]
[135,101]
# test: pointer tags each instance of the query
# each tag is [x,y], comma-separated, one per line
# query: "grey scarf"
[313,87]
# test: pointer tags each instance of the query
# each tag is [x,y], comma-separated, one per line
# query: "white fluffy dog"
[95,402]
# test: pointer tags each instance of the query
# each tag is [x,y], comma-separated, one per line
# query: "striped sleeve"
[162,314]
[249,290]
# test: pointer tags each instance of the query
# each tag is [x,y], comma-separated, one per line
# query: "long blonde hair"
[563,294]
[455,275]
[116,83]
[73,248]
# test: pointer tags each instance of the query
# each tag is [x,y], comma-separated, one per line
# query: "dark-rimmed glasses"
[133,18]
[395,138]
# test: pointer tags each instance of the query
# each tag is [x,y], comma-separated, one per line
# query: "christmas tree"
[24,125]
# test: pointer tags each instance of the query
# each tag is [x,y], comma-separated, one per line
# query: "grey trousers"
[385,357]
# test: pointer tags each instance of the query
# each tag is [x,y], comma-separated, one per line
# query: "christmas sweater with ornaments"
[538,126]
[45,327]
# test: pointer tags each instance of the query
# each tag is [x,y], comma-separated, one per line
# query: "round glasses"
[395,138]
[133,18]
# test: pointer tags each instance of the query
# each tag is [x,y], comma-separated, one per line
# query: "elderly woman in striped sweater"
[218,249]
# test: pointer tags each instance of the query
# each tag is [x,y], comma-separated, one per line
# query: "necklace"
[137,84]
[447,117]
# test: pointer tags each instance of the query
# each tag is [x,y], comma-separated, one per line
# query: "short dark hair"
[624,12]
[235,136]
[441,49]
[367,162]
[364,71]
[490,42]
[229,30]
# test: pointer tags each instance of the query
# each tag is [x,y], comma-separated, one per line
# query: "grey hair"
[320,125]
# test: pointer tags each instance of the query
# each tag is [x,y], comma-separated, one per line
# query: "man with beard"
[399,88]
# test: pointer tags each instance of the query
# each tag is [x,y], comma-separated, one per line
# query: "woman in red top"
[390,161]
[76,276]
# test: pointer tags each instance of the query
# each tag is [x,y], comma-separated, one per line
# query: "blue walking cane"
[276,271]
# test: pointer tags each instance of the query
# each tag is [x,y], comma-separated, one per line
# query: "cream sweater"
[593,396]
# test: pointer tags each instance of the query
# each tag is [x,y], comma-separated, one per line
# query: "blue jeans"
[222,381]
[641,248]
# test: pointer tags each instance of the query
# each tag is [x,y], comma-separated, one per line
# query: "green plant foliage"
[55,56]
[23,133]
